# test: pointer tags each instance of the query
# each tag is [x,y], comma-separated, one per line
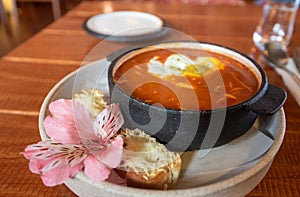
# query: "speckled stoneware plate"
[233,169]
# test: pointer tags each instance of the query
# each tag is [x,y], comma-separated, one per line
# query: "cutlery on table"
[296,57]
[276,54]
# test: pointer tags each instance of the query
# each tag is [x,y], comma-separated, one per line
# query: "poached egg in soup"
[186,79]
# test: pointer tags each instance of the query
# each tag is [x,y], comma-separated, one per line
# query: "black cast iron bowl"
[183,130]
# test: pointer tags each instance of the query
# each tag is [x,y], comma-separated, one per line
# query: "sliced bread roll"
[92,99]
[147,163]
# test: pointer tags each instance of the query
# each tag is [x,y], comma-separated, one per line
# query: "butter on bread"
[147,163]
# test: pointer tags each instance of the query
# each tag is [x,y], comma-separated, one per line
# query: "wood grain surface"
[29,72]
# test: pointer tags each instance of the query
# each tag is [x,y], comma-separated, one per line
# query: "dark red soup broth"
[225,87]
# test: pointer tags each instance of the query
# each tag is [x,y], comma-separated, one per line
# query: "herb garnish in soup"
[176,78]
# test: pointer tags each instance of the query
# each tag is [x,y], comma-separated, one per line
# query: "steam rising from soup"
[186,79]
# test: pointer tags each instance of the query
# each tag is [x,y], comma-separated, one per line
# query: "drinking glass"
[276,23]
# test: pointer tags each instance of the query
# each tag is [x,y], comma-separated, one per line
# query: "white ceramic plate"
[125,26]
[233,169]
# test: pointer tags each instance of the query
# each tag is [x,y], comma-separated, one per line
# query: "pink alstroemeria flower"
[77,142]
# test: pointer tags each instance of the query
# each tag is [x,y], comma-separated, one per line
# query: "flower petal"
[47,156]
[60,175]
[83,122]
[108,122]
[95,169]
[61,131]
[60,125]
[35,166]
[62,109]
[112,155]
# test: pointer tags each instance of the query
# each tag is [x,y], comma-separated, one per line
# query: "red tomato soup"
[186,79]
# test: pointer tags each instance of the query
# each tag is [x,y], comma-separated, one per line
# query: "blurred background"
[20,19]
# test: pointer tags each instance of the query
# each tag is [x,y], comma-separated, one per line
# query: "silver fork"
[296,57]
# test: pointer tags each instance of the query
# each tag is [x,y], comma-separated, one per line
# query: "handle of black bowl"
[270,102]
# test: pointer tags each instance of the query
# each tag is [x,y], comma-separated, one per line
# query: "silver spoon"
[276,53]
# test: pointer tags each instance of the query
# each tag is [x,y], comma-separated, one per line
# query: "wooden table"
[29,72]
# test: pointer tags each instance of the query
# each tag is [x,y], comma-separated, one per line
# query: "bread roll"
[92,99]
[147,163]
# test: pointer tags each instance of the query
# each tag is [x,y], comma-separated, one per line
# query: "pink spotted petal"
[60,175]
[108,122]
[62,109]
[75,169]
[112,155]
[35,166]
[83,122]
[61,131]
[47,156]
[95,169]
